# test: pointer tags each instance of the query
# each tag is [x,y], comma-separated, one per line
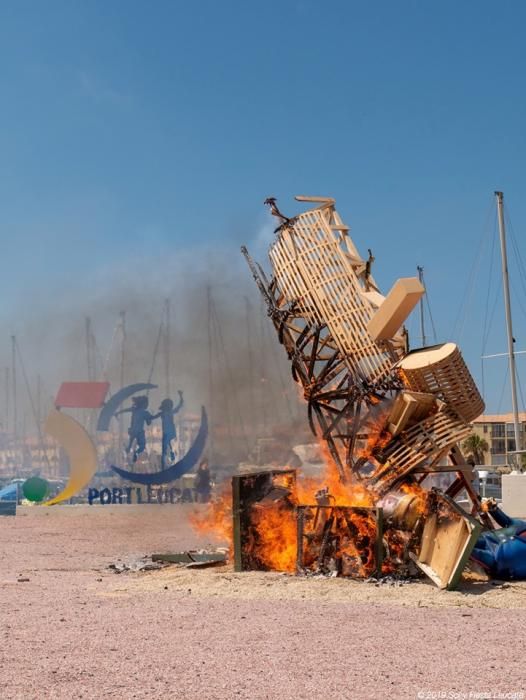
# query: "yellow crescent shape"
[80,449]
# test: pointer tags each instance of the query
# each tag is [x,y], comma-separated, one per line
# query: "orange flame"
[416,490]
[271,537]
[275,537]
[216,518]
[377,434]
[342,494]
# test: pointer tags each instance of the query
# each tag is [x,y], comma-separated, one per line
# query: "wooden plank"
[191,557]
[447,544]
[393,312]
[379,540]
[310,198]
[236,516]
[409,406]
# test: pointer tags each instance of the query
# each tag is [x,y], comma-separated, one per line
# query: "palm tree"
[475,446]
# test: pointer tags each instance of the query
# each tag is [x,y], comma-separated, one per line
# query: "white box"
[514,495]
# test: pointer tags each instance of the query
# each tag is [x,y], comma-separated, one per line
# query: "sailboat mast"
[167,350]
[422,328]
[90,355]
[210,375]
[7,395]
[122,324]
[509,329]
[13,380]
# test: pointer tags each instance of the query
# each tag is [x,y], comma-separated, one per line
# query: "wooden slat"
[317,271]
[424,443]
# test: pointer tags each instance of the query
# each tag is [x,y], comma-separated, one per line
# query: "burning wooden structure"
[388,416]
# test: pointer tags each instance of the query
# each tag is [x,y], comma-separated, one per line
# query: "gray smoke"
[253,394]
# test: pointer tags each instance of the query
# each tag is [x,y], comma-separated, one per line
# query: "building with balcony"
[498,431]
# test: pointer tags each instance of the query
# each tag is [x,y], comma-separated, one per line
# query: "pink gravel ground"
[77,630]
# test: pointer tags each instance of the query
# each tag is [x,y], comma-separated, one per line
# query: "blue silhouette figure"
[502,552]
[139,417]
[167,413]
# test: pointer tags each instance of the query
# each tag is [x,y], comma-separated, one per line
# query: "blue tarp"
[9,493]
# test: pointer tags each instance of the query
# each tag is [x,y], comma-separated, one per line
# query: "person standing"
[167,413]
[139,417]
[203,485]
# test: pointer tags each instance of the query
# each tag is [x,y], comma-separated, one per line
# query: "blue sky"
[132,128]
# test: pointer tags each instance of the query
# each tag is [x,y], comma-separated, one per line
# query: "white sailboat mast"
[509,328]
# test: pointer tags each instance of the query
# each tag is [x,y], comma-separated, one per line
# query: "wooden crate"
[421,445]
[318,268]
[448,539]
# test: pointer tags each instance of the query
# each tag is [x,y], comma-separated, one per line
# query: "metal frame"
[335,394]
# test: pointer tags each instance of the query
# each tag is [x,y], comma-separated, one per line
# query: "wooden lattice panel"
[314,264]
[441,371]
[425,441]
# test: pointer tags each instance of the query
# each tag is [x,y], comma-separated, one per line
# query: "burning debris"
[190,559]
[386,416]
[339,540]
[406,532]
[136,564]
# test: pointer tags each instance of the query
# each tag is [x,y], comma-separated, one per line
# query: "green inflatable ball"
[35,489]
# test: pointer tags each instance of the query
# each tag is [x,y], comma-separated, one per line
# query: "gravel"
[77,630]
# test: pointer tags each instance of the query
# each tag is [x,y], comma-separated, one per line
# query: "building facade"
[498,431]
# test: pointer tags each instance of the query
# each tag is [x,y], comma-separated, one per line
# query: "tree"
[475,446]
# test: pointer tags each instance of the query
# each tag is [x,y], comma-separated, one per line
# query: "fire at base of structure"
[423,530]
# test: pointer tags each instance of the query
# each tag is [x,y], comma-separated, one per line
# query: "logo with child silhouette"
[136,445]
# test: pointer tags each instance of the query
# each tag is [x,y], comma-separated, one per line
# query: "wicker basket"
[440,370]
